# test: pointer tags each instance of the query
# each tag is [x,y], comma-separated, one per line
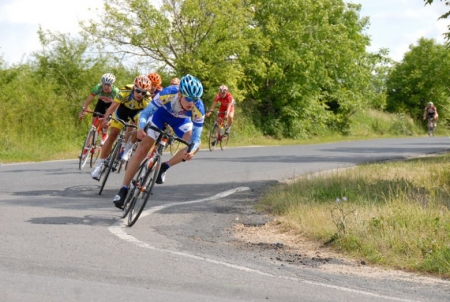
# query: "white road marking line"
[117,229]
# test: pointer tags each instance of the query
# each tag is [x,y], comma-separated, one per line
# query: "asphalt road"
[61,241]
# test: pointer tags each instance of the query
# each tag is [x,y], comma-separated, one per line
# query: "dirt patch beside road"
[290,248]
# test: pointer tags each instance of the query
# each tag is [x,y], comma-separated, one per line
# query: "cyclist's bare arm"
[109,112]
[86,105]
[212,108]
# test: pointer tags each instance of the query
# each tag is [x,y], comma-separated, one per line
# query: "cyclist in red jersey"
[226,109]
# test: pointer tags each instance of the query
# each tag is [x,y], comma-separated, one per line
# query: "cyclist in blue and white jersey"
[181,108]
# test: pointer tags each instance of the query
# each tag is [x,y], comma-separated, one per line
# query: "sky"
[394,24]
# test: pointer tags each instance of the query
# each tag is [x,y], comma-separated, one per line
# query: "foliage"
[421,77]
[59,79]
[381,66]
[310,66]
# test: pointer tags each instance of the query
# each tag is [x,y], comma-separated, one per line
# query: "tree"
[421,77]
[311,69]
[192,36]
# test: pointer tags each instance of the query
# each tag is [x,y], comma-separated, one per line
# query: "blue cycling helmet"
[191,87]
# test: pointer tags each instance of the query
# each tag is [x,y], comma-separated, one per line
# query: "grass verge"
[394,214]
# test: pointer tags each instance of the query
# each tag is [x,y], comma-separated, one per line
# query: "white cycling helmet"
[430,103]
[108,78]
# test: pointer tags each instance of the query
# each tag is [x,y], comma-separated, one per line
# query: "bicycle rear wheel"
[108,165]
[146,188]
[430,127]
[213,137]
[87,147]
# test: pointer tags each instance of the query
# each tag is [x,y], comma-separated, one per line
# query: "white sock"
[127,146]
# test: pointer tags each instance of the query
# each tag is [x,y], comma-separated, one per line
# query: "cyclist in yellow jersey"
[129,102]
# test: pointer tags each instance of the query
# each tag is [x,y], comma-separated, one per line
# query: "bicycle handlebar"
[110,117]
[93,112]
[216,112]
[168,135]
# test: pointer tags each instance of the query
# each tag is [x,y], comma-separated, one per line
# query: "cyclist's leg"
[132,168]
[114,131]
[231,117]
[106,149]
[101,108]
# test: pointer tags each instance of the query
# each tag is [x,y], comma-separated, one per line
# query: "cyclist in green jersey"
[106,92]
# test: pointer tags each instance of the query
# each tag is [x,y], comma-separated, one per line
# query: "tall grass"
[395,214]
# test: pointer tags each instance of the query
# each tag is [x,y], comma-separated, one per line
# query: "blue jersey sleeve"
[146,113]
[196,134]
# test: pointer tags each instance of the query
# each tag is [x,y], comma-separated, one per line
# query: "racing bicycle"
[92,144]
[143,182]
[113,161]
[217,133]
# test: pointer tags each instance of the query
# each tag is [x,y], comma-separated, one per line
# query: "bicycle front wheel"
[135,191]
[174,146]
[87,147]
[224,141]
[95,153]
[146,188]
[213,137]
[108,165]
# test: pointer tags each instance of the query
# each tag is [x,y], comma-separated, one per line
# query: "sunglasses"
[143,92]
[188,99]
